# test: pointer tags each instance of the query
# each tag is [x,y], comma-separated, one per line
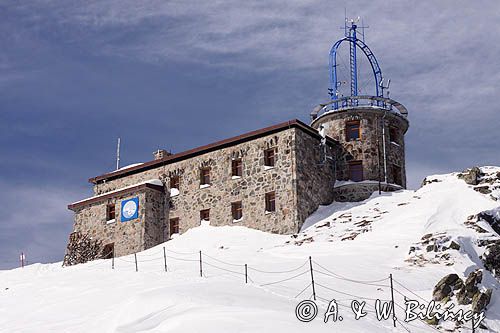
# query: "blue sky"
[75,75]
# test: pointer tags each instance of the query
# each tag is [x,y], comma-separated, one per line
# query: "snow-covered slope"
[354,247]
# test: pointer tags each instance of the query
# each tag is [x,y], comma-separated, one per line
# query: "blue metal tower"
[354,44]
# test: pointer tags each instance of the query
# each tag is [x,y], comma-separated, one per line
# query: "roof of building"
[153,184]
[294,123]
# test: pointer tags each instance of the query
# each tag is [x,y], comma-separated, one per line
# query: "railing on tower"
[359,101]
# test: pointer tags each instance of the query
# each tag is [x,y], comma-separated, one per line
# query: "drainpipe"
[383,145]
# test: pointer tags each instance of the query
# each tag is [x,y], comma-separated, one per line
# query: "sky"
[76,75]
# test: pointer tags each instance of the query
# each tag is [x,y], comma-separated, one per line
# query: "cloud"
[34,221]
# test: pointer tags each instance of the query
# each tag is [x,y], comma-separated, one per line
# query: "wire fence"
[316,277]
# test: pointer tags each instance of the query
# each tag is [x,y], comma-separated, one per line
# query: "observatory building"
[270,179]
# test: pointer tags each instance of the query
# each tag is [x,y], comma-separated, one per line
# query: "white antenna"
[118,155]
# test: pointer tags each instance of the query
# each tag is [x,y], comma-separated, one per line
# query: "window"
[237,211]
[110,212]
[393,134]
[175,182]
[174,226]
[397,175]
[270,202]
[205,176]
[356,171]
[236,168]
[108,251]
[269,157]
[205,215]
[352,130]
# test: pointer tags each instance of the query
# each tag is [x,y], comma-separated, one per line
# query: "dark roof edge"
[108,195]
[208,148]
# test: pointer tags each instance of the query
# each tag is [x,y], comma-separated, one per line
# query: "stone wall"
[360,191]
[156,217]
[369,148]
[224,189]
[315,175]
[128,237]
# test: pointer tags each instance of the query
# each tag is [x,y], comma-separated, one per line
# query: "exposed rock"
[433,321]
[492,217]
[444,287]
[429,181]
[482,189]
[426,236]
[471,176]
[454,245]
[467,292]
[491,258]
[481,300]
[432,247]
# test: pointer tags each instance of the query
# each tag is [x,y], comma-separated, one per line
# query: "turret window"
[353,130]
[393,135]
[356,171]
[397,175]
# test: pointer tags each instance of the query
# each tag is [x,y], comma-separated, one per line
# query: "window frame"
[270,202]
[110,211]
[357,164]
[237,210]
[237,167]
[393,134]
[175,182]
[270,157]
[204,212]
[204,177]
[348,129]
[173,226]
[397,170]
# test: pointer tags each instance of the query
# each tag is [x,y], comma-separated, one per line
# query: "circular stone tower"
[369,128]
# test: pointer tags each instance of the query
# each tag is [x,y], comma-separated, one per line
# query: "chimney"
[161,153]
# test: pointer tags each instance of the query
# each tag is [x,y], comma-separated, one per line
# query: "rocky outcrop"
[471,176]
[481,300]
[470,289]
[491,258]
[445,286]
[492,217]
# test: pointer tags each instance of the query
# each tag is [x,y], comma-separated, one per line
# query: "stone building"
[271,179]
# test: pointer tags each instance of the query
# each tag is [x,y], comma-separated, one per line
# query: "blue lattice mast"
[354,44]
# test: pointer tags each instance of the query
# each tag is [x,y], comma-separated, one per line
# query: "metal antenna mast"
[118,155]
[350,36]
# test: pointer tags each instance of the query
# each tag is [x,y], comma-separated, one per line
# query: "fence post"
[165,258]
[113,261]
[246,273]
[135,256]
[22,259]
[201,267]
[312,277]
[392,300]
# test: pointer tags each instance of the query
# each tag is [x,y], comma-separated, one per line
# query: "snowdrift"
[253,281]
